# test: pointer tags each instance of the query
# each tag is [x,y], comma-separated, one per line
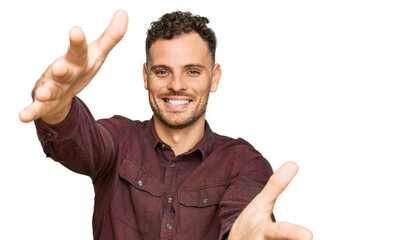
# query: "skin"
[71,73]
[255,223]
[181,66]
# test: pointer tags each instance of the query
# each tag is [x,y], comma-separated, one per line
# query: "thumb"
[276,185]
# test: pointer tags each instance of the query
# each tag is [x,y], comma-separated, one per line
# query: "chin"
[178,124]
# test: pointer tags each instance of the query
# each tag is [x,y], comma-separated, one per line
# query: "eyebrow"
[194,66]
[162,66]
[159,66]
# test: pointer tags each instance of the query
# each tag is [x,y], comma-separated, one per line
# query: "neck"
[181,140]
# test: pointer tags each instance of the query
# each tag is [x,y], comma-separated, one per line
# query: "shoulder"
[239,153]
[233,144]
[118,120]
[123,125]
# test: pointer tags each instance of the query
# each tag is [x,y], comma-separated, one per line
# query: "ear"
[145,76]
[216,75]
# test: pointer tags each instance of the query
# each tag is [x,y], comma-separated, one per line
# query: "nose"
[177,83]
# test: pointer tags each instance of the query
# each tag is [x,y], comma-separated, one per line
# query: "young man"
[170,177]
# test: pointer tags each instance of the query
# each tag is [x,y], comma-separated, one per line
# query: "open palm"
[69,74]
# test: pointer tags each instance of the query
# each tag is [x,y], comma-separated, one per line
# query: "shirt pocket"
[199,209]
[137,196]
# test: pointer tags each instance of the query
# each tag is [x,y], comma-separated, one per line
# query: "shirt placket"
[168,224]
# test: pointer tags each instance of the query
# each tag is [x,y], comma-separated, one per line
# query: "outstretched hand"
[255,220]
[69,74]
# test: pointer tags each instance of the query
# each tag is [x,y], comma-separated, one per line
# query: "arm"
[66,129]
[79,142]
[250,172]
[255,223]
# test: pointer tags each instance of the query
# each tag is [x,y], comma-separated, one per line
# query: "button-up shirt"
[144,191]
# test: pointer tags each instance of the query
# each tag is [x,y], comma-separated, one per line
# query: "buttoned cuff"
[61,131]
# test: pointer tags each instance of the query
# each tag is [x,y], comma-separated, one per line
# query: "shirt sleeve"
[250,177]
[78,142]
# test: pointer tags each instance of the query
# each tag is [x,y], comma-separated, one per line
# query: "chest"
[160,195]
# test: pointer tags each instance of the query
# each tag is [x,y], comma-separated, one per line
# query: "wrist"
[59,116]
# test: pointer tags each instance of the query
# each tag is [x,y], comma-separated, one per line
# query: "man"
[170,177]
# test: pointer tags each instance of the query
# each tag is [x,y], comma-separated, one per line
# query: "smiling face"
[179,77]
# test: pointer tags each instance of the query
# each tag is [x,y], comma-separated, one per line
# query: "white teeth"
[177,102]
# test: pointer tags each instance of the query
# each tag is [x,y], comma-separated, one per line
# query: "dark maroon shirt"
[144,191]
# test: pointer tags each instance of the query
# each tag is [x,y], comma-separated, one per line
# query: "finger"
[114,32]
[78,47]
[48,92]
[277,184]
[61,71]
[287,231]
[43,93]
[32,112]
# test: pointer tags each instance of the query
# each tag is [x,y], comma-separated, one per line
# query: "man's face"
[179,77]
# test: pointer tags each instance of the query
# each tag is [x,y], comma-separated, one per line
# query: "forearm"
[247,182]
[77,142]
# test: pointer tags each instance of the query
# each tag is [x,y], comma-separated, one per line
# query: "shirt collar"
[204,146]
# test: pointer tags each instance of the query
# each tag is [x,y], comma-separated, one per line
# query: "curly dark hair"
[176,23]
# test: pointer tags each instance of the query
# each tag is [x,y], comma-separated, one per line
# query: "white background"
[327,84]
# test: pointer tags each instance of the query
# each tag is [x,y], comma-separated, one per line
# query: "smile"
[176,102]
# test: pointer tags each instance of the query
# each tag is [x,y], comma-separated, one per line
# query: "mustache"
[175,94]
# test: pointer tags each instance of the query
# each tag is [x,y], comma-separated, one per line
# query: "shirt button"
[169,226]
[205,200]
[50,134]
[173,164]
[169,200]
[140,183]
[163,146]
